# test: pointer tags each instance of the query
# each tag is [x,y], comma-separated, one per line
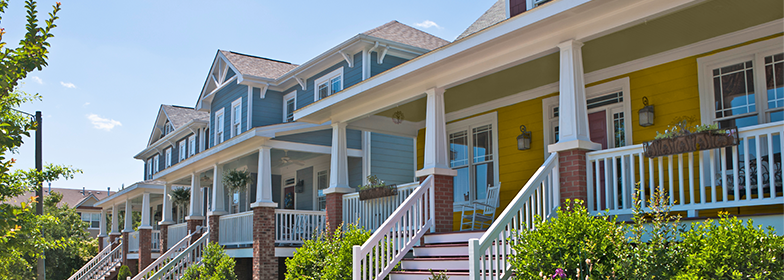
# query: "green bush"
[328,256]
[215,265]
[124,273]
[575,243]
[731,250]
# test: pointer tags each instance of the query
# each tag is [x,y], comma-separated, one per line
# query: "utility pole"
[39,165]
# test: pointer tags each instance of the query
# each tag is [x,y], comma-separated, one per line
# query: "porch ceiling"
[685,27]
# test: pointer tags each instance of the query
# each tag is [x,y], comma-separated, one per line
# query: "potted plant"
[236,180]
[679,139]
[180,197]
[376,188]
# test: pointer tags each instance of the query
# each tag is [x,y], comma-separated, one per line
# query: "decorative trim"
[348,57]
[302,83]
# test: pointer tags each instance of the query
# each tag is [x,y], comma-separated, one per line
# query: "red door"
[597,127]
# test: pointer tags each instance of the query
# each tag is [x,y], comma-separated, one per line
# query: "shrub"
[439,276]
[328,256]
[124,273]
[572,244]
[215,265]
[731,250]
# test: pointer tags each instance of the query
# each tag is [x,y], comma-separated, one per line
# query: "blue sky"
[113,63]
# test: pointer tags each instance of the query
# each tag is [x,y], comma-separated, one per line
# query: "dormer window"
[167,128]
[329,84]
[236,117]
[289,106]
[219,127]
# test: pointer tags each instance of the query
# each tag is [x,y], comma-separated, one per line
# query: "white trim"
[365,64]
[236,105]
[219,127]
[249,121]
[182,150]
[168,157]
[327,78]
[192,149]
[366,152]
[489,118]
[286,98]
[349,58]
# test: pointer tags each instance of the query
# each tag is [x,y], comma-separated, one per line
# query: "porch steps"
[439,252]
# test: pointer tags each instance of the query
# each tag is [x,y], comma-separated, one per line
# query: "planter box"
[705,140]
[378,192]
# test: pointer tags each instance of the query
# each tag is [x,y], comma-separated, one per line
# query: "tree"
[20,228]
[180,197]
[77,245]
[215,265]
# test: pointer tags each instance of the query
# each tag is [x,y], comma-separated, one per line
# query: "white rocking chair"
[478,215]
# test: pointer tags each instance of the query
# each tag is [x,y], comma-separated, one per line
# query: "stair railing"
[173,252]
[105,264]
[489,256]
[93,262]
[397,235]
[192,255]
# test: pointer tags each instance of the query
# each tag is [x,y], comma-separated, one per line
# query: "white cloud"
[85,104]
[102,123]
[37,80]
[428,24]
[68,85]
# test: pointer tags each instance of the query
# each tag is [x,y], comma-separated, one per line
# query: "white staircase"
[174,268]
[164,259]
[440,252]
[102,265]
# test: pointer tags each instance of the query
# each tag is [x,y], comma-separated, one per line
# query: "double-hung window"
[329,84]
[472,152]
[93,220]
[183,151]
[219,127]
[168,158]
[322,179]
[289,106]
[155,164]
[236,117]
[149,169]
[192,145]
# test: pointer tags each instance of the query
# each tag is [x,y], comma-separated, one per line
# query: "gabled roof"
[258,66]
[495,14]
[401,33]
[73,197]
[178,116]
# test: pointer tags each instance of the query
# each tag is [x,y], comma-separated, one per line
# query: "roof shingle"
[258,66]
[495,14]
[179,116]
[401,33]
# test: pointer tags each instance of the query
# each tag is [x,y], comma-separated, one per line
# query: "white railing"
[164,259]
[397,235]
[236,229]
[192,255]
[155,238]
[175,233]
[133,241]
[296,226]
[717,178]
[370,214]
[94,266]
[488,256]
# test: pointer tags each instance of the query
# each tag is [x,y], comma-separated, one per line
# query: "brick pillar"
[145,248]
[444,190]
[573,175]
[265,264]
[125,247]
[113,237]
[164,241]
[214,224]
[192,224]
[100,242]
[334,211]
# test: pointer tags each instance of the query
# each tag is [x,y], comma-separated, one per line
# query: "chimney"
[108,190]
[515,7]
[83,189]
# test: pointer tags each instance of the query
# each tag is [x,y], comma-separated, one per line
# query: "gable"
[221,73]
[158,127]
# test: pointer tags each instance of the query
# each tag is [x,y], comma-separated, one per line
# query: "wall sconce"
[524,140]
[300,187]
[646,113]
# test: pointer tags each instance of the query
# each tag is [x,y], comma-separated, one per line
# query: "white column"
[166,218]
[102,227]
[145,212]
[218,205]
[264,180]
[338,171]
[573,118]
[195,211]
[115,219]
[436,156]
[128,217]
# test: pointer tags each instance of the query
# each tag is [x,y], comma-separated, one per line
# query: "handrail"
[102,266]
[92,262]
[370,214]
[175,250]
[488,256]
[397,235]
[190,256]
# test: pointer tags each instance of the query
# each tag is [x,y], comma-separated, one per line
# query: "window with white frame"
[149,168]
[743,86]
[183,150]
[219,126]
[167,128]
[168,157]
[236,117]
[93,220]
[289,106]
[322,181]
[155,164]
[192,145]
[329,84]
[472,153]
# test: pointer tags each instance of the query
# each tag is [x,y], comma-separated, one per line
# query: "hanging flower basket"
[236,180]
[378,192]
[692,142]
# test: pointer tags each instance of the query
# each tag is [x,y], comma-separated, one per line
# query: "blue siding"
[269,110]
[223,99]
[305,199]
[392,158]
[351,76]
[354,172]
[389,62]
[324,138]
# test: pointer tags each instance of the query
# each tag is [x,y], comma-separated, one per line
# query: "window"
[322,179]
[168,157]
[149,168]
[192,145]
[167,128]
[219,127]
[743,86]
[183,151]
[93,219]
[329,84]
[472,150]
[236,117]
[289,106]
[155,164]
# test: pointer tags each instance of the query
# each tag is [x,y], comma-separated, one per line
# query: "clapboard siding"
[389,62]
[392,158]
[267,110]
[223,99]
[324,138]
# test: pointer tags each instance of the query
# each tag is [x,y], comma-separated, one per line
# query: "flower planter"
[711,139]
[377,192]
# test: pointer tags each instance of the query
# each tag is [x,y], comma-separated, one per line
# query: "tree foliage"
[215,265]
[69,229]
[328,256]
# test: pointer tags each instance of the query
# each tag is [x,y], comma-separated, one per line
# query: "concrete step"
[436,264]
[452,237]
[442,250]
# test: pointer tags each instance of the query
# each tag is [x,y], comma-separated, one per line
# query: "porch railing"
[397,235]
[236,229]
[174,251]
[745,175]
[488,256]
[133,241]
[155,236]
[105,258]
[296,226]
[192,255]
[176,233]
[370,214]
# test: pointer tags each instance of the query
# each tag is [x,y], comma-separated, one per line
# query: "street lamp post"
[39,192]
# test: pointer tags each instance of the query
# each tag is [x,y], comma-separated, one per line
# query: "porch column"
[195,218]
[338,177]
[265,264]
[145,234]
[218,208]
[102,230]
[127,229]
[115,226]
[436,161]
[574,137]
[166,218]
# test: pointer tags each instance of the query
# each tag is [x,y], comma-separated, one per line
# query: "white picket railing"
[717,178]
[296,226]
[236,229]
[133,241]
[164,259]
[397,235]
[192,255]
[155,238]
[175,233]
[370,214]
[96,264]
[488,256]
